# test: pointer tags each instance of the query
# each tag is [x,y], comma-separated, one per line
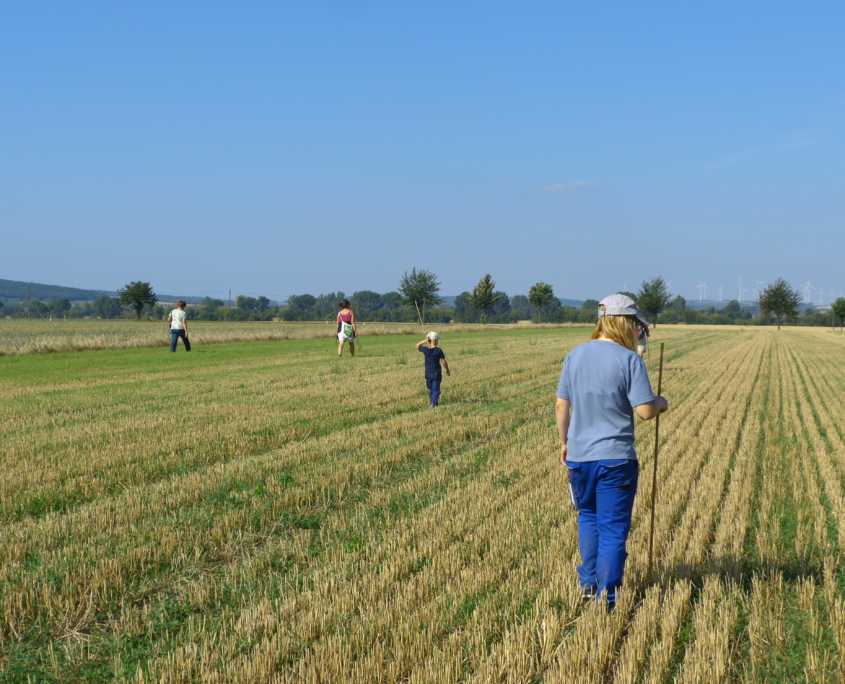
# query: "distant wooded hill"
[15,291]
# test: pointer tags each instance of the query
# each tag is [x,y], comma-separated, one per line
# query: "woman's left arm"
[563,414]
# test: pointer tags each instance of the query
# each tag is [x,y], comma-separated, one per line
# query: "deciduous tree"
[839,310]
[325,306]
[59,306]
[483,296]
[676,308]
[540,294]
[732,309]
[212,304]
[107,307]
[780,299]
[245,303]
[522,306]
[365,303]
[136,294]
[301,303]
[502,305]
[465,312]
[391,300]
[418,289]
[653,298]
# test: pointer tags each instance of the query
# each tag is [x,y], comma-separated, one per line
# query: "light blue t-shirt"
[603,381]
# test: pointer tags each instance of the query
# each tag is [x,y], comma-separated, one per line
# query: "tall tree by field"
[780,299]
[502,305]
[732,309]
[136,294]
[839,311]
[418,289]
[245,303]
[107,307]
[653,298]
[301,303]
[59,306]
[540,294]
[391,300]
[465,312]
[677,307]
[365,303]
[483,297]
[522,307]
[590,305]
[325,306]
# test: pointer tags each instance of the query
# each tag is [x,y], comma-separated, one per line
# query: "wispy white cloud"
[788,146]
[571,186]
[800,144]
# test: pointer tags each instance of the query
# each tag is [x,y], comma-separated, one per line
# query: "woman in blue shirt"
[602,384]
[433,356]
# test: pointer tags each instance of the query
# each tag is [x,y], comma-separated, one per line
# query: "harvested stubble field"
[22,337]
[265,511]
[43,336]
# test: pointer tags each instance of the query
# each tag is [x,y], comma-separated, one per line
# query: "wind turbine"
[757,289]
[701,287]
[807,290]
[741,289]
[721,287]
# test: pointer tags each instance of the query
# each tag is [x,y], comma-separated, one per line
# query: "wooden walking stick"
[654,469]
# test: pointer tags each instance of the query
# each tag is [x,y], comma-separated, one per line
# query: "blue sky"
[283,148]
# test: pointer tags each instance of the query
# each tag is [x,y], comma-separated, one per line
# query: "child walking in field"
[602,384]
[433,358]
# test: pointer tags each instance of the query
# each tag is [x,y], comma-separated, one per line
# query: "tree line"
[778,304]
[418,299]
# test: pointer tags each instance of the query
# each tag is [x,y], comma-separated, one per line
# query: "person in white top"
[179,327]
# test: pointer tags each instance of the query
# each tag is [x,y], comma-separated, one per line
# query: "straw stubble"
[278,520]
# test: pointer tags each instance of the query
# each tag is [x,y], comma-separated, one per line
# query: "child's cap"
[433,336]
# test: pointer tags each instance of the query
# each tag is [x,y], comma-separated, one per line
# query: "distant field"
[268,512]
[22,337]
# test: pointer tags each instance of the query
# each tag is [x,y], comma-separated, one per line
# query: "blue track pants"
[605,492]
[432,383]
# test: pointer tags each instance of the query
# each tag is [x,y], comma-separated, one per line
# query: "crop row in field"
[272,513]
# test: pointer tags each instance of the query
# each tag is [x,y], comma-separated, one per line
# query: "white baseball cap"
[433,336]
[620,305]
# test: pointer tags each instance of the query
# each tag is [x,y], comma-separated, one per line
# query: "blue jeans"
[605,492]
[432,382]
[174,338]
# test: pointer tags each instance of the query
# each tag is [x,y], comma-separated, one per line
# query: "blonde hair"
[619,329]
